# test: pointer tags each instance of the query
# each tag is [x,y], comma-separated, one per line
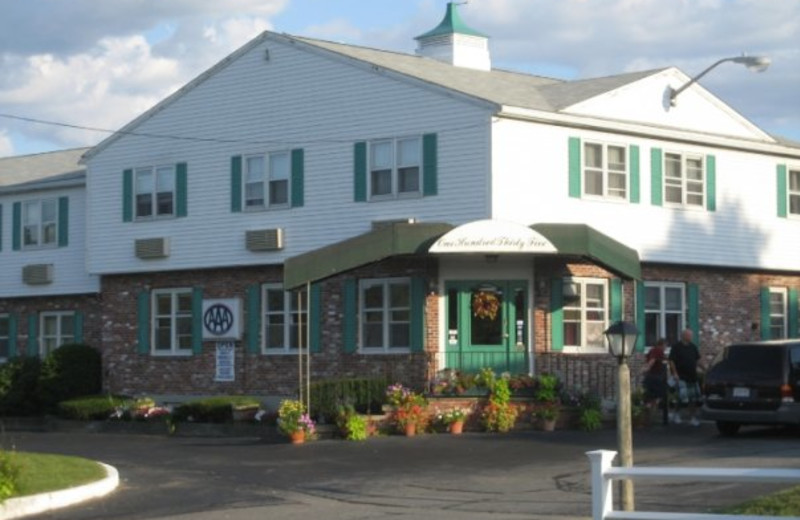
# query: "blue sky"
[100,63]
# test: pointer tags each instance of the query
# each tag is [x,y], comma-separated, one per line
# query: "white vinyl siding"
[285,321]
[605,170]
[40,223]
[585,314]
[171,321]
[385,315]
[266,180]
[665,311]
[56,329]
[154,192]
[684,179]
[395,168]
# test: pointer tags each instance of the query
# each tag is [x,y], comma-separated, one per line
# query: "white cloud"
[6,148]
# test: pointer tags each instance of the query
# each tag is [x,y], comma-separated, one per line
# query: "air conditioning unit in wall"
[264,239]
[37,274]
[152,248]
[380,224]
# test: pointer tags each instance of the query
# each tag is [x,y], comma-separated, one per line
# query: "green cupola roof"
[451,24]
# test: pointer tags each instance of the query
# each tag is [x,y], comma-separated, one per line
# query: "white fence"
[604,473]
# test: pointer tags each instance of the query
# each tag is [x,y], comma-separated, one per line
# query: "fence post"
[602,491]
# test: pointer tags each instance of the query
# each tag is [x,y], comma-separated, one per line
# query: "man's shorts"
[689,392]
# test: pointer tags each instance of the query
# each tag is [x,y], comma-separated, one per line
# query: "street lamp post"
[621,337]
[754,63]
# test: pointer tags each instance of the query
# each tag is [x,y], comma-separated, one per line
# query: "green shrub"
[213,409]
[9,475]
[96,407]
[365,395]
[19,387]
[590,419]
[69,371]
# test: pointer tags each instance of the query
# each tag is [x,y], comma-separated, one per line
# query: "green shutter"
[633,151]
[12,335]
[315,318]
[33,340]
[640,316]
[16,226]
[793,314]
[181,190]
[63,221]
[711,183]
[656,177]
[615,299]
[127,196]
[197,320]
[298,174]
[575,167]
[254,318]
[360,171]
[236,183]
[350,318]
[781,177]
[417,327]
[766,332]
[143,322]
[693,297]
[557,314]
[430,165]
[77,325]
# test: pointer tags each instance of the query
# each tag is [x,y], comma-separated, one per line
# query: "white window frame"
[394,166]
[290,316]
[783,315]
[581,282]
[174,316]
[793,194]
[663,312]
[40,224]
[683,182]
[605,171]
[155,172]
[386,310]
[6,338]
[266,180]
[59,338]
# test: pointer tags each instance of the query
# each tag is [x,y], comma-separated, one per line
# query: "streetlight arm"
[674,93]
[756,63]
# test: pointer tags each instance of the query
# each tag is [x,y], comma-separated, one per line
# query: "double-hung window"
[154,192]
[684,179]
[605,170]
[385,314]
[664,311]
[40,223]
[285,319]
[395,167]
[266,180]
[794,191]
[585,313]
[172,321]
[777,313]
[57,328]
[5,337]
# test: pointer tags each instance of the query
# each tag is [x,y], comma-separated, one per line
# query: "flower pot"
[457,427]
[298,437]
[411,429]
[548,425]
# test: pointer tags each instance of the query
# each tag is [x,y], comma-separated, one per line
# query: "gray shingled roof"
[26,169]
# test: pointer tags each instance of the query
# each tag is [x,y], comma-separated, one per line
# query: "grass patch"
[783,503]
[40,473]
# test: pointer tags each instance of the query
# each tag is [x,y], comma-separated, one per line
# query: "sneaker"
[695,422]
[676,419]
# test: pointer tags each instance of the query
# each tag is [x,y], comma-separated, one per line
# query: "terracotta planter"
[410,429]
[549,425]
[298,437]
[457,428]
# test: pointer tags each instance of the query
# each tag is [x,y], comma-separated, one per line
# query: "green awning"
[387,241]
[584,241]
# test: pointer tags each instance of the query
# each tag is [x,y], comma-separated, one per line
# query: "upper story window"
[172,321]
[605,170]
[266,180]
[385,314]
[5,337]
[40,223]
[285,319]
[58,328]
[794,191]
[585,309]
[395,167]
[684,179]
[154,192]
[664,311]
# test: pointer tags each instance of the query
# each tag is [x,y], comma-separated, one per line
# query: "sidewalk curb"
[35,504]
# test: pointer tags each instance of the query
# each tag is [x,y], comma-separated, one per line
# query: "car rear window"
[752,359]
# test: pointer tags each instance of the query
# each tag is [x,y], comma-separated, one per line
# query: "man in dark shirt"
[683,358]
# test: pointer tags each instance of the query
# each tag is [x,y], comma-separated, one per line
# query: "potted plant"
[548,412]
[408,408]
[498,414]
[548,401]
[454,420]
[294,422]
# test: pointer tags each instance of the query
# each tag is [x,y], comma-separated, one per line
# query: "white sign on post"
[222,319]
[226,361]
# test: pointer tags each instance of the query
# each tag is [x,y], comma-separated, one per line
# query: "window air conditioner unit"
[264,239]
[380,224]
[37,274]
[152,248]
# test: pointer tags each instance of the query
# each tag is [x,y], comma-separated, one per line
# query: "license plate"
[741,392]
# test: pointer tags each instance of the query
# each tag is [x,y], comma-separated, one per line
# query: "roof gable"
[29,169]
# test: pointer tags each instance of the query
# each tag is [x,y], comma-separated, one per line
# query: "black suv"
[754,383]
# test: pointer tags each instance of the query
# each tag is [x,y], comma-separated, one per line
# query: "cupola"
[453,42]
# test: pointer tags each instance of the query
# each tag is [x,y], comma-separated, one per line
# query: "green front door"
[487,324]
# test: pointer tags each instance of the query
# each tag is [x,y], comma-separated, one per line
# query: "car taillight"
[786,394]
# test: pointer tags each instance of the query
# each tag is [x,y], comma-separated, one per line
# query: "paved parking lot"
[520,475]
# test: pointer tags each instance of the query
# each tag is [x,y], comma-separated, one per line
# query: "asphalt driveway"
[520,475]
